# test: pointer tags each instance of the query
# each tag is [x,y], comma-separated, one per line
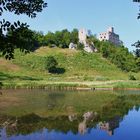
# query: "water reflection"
[87,118]
[110,126]
[39,128]
[70,116]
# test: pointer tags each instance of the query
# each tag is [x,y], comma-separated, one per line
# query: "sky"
[96,15]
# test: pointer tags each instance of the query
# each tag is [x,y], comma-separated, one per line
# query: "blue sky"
[96,15]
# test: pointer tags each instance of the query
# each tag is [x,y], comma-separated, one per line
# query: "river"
[69,115]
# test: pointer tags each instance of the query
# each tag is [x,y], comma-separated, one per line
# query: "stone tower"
[82,36]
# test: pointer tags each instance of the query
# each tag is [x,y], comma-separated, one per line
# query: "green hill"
[75,67]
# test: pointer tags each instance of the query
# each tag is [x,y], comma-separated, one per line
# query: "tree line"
[61,39]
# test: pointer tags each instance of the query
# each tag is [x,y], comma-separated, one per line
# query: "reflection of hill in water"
[65,112]
[106,120]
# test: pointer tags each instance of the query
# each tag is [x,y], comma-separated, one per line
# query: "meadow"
[76,69]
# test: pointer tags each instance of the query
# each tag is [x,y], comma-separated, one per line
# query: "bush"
[51,64]
[132,77]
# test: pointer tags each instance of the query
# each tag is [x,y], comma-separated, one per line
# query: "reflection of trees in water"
[27,125]
[110,125]
[137,107]
[32,122]
[110,116]
[7,124]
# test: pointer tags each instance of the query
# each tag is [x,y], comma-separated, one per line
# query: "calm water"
[69,115]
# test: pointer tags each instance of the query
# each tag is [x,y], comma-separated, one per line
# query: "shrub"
[132,77]
[51,64]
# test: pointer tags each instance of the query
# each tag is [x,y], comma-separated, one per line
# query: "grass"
[127,85]
[81,68]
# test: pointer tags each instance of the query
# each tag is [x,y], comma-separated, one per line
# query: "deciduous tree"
[138,2]
[17,29]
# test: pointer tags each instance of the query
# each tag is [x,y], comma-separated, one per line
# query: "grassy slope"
[92,69]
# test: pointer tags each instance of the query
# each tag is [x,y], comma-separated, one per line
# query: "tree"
[51,64]
[22,37]
[39,37]
[66,38]
[137,44]
[50,39]
[137,51]
[18,7]
[138,13]
[62,38]
[74,36]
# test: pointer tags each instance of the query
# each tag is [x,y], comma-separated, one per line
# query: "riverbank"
[94,85]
